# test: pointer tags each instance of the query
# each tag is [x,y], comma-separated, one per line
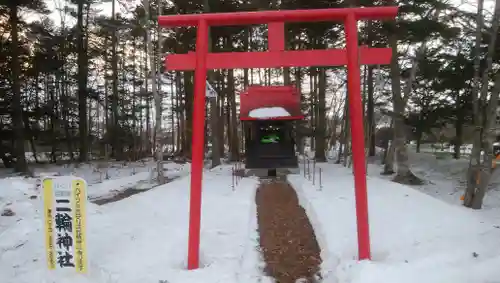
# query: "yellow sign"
[65,201]
[79,197]
[48,200]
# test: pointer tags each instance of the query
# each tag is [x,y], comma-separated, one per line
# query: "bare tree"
[479,173]
[400,98]
[214,110]
[154,86]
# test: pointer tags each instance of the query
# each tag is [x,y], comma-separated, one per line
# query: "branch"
[489,57]
[418,56]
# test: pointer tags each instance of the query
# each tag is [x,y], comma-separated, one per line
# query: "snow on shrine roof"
[268,112]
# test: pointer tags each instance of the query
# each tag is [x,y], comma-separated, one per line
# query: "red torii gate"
[275,57]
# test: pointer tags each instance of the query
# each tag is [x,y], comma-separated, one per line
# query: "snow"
[107,179]
[445,178]
[151,246]
[268,112]
[142,180]
[415,237]
[418,234]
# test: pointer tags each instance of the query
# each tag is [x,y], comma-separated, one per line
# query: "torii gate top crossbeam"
[265,17]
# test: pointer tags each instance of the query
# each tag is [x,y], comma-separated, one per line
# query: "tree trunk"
[31,138]
[388,159]
[403,172]
[224,123]
[343,133]
[419,141]
[172,118]
[17,107]
[246,47]
[332,143]
[347,135]
[479,173]
[458,133]
[370,97]
[158,150]
[214,111]
[188,114]
[299,137]
[419,132]
[114,101]
[235,149]
[215,129]
[179,115]
[82,86]
[370,113]
[147,98]
[319,153]
[312,116]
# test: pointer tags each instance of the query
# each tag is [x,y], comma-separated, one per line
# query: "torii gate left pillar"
[275,57]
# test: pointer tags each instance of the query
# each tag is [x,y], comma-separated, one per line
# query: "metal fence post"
[308,169]
[304,161]
[232,177]
[320,183]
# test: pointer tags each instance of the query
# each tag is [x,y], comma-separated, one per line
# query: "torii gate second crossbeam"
[277,56]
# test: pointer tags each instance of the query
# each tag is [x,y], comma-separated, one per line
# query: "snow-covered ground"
[418,234]
[100,171]
[142,238]
[445,179]
[106,179]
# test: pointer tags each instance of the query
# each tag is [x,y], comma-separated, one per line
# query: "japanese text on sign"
[64,207]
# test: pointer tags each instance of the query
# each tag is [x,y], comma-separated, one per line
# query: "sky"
[468,5]
[471,5]
[105,8]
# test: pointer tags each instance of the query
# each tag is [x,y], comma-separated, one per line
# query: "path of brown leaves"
[287,239]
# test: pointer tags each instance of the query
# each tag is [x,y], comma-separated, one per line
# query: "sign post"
[64,206]
[210,91]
